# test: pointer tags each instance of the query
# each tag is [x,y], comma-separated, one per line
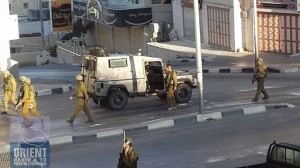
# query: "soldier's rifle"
[122,154]
[254,78]
[255,75]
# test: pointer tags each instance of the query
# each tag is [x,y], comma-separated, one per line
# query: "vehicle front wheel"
[183,93]
[103,102]
[117,100]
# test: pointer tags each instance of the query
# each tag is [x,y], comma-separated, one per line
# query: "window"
[45,5]
[115,63]
[25,5]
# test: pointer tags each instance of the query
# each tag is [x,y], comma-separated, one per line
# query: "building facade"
[220,22]
[229,24]
[278,24]
[122,26]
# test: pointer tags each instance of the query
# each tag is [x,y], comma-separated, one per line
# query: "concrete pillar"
[178,18]
[236,31]
[4,40]
[205,23]
[8,32]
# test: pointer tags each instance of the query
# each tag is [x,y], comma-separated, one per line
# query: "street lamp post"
[255,40]
[198,55]
[42,26]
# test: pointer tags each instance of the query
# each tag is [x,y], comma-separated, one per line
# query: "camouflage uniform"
[9,88]
[170,85]
[260,75]
[130,159]
[27,92]
[82,99]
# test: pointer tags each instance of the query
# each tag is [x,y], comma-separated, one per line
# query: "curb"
[47,92]
[169,123]
[245,70]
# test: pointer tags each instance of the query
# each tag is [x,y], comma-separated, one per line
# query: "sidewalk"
[214,61]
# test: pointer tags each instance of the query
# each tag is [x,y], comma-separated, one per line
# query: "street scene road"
[223,92]
[216,144]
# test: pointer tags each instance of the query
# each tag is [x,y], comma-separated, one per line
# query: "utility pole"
[42,26]
[255,40]
[198,56]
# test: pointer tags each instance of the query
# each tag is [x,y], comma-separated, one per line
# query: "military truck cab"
[111,79]
[280,155]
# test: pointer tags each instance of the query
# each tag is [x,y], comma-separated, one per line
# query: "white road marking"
[254,88]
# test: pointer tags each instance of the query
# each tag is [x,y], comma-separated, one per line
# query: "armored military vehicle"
[112,78]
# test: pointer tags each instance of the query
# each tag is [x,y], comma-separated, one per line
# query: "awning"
[110,16]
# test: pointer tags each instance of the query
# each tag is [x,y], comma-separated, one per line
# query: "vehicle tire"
[117,100]
[183,93]
[95,99]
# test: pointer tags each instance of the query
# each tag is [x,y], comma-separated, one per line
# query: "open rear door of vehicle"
[89,71]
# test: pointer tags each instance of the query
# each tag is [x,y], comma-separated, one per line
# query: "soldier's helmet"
[28,81]
[6,73]
[79,77]
[128,141]
[22,78]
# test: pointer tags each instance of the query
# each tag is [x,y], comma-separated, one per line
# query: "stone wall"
[25,58]
[28,44]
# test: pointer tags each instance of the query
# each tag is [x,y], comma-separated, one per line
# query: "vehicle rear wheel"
[117,100]
[183,93]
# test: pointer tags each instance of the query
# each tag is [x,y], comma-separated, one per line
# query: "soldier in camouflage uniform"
[21,92]
[28,101]
[9,88]
[171,87]
[83,99]
[259,76]
[128,157]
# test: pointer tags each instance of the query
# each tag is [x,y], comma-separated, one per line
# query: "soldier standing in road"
[83,98]
[259,76]
[9,88]
[28,101]
[128,157]
[171,86]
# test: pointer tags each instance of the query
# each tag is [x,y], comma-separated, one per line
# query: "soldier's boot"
[266,96]
[89,121]
[70,122]
[255,99]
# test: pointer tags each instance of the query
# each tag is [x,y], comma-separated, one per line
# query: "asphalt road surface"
[217,144]
[221,92]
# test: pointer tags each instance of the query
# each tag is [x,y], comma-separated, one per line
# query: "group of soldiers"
[26,97]
[26,100]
